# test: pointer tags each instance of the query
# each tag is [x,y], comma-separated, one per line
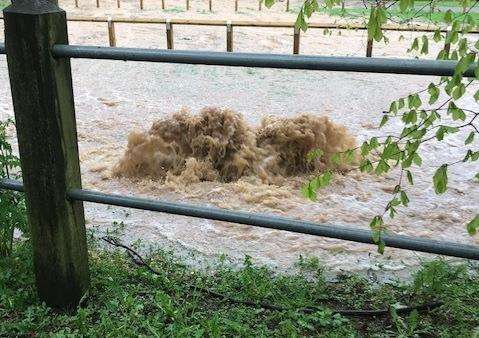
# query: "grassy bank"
[127,300]
[419,13]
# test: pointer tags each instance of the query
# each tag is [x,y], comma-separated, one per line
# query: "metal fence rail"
[267,221]
[283,61]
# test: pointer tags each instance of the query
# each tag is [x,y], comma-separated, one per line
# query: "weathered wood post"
[296,40]
[447,44]
[236,5]
[97,3]
[210,5]
[76,3]
[163,4]
[369,48]
[287,5]
[229,37]
[169,34]
[141,4]
[118,3]
[111,32]
[187,5]
[260,4]
[47,139]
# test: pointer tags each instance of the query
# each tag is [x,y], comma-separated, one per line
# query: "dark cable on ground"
[140,261]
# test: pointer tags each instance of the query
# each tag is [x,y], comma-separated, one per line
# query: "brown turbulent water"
[219,145]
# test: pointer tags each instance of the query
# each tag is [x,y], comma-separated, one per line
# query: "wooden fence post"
[118,3]
[447,44]
[76,3]
[296,40]
[187,5]
[229,37]
[42,95]
[369,48]
[210,5]
[287,5]
[141,4]
[163,4]
[97,3]
[236,5]
[111,32]
[260,4]
[169,34]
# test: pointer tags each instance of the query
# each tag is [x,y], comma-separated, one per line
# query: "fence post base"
[369,48]
[169,34]
[229,36]
[47,139]
[296,37]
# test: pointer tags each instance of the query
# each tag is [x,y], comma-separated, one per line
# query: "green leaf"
[314,154]
[404,198]
[417,159]
[414,101]
[366,166]
[476,95]
[376,226]
[382,167]
[458,91]
[365,149]
[448,16]
[384,120]
[470,138]
[269,3]
[381,246]
[440,179]
[425,45]
[473,225]
[308,191]
[393,108]
[336,159]
[433,93]
[409,177]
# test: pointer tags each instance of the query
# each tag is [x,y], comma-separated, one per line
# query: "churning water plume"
[219,145]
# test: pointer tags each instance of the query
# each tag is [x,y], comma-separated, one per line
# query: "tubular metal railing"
[282,61]
[267,221]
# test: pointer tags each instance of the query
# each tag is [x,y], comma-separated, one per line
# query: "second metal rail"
[268,221]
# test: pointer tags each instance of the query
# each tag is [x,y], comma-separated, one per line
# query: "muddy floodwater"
[113,99]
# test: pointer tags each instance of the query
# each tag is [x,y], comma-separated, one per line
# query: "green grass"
[175,9]
[4,3]
[129,301]
[425,15]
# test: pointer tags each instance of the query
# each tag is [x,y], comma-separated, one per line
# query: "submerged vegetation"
[129,300]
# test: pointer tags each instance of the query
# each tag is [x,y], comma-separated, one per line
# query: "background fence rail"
[230,24]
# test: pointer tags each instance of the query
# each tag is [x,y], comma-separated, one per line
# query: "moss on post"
[45,120]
